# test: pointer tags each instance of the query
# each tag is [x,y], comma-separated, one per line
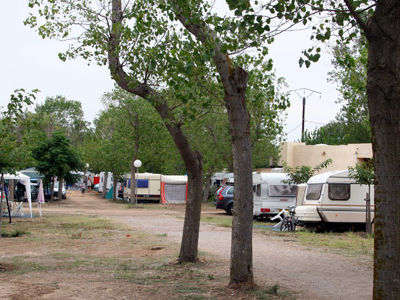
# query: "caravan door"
[257,194]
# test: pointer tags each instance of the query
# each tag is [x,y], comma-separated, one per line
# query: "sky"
[30,62]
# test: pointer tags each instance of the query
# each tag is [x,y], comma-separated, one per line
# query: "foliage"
[352,123]
[56,158]
[302,174]
[363,172]
[12,152]
[59,114]
[339,133]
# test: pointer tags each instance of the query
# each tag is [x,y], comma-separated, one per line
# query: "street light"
[85,179]
[137,164]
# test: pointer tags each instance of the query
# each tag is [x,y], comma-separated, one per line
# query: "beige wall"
[343,156]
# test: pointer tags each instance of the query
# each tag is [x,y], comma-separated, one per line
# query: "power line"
[311,92]
[294,129]
[316,123]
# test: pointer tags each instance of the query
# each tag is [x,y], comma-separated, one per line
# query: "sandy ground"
[311,273]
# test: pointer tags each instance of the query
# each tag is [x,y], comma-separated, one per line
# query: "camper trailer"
[333,198]
[102,179]
[148,186]
[272,194]
[221,178]
[174,189]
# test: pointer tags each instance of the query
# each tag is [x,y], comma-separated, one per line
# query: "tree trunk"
[104,193]
[11,189]
[242,223]
[383,34]
[52,190]
[115,182]
[192,159]
[206,190]
[60,185]
[234,81]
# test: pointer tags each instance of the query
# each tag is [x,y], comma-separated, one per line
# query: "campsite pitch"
[90,248]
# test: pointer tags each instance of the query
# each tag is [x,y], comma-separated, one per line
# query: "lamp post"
[86,175]
[137,164]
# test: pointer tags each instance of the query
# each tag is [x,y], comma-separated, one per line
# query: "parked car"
[55,191]
[224,198]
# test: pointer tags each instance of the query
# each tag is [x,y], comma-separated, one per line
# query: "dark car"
[224,198]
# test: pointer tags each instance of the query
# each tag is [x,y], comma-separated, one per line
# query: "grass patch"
[349,243]
[344,243]
[13,233]
[21,265]
[221,221]
[273,292]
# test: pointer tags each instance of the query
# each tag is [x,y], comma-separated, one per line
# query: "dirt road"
[311,273]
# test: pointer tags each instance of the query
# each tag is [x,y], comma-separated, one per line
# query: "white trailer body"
[333,197]
[148,186]
[271,194]
[109,181]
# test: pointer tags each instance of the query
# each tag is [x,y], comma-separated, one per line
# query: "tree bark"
[11,189]
[60,185]
[242,224]
[52,190]
[115,182]
[206,189]
[234,81]
[191,158]
[104,193]
[383,88]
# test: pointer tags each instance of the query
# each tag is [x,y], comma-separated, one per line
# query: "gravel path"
[313,273]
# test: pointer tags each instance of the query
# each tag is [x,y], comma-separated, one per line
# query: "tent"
[25,180]
[174,189]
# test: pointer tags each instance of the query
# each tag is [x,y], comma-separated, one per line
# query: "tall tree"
[378,21]
[145,135]
[352,122]
[146,52]
[144,47]
[12,151]
[56,158]
[60,114]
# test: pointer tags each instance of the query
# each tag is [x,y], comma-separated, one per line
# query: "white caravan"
[221,178]
[148,186]
[271,194]
[334,198]
[109,181]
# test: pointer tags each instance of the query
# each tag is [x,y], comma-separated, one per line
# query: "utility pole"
[303,119]
[304,107]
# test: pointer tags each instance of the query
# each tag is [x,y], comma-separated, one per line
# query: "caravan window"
[142,183]
[283,190]
[313,191]
[339,191]
[258,190]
